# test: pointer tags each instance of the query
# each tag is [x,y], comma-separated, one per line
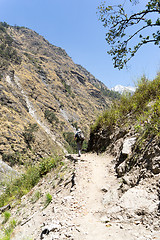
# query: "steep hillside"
[43,94]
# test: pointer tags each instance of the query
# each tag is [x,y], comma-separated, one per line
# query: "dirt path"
[92,175]
[86,205]
[102,218]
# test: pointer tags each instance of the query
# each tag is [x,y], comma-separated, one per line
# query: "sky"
[74,26]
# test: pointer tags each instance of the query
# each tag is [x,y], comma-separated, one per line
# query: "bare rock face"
[128,144]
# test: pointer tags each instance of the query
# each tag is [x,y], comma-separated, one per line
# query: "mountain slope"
[40,84]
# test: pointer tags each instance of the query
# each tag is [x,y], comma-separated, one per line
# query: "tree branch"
[116,19]
[153,25]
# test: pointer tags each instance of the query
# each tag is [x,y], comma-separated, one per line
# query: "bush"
[4,24]
[8,231]
[2,28]
[12,158]
[47,200]
[6,216]
[47,164]
[36,197]
[23,184]
[135,106]
[29,133]
[108,119]
[50,116]
[149,121]
[67,87]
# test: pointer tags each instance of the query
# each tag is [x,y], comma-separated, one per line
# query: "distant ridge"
[121,89]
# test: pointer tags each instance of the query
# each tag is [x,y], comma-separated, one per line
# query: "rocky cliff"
[43,94]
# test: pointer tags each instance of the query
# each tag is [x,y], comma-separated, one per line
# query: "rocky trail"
[87,204]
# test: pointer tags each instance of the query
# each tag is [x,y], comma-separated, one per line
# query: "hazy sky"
[73,25]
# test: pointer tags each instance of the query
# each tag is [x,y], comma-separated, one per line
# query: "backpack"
[80,137]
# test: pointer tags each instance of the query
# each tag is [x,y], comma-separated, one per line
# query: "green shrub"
[36,197]
[23,184]
[47,164]
[4,24]
[108,119]
[135,106]
[50,116]
[29,133]
[6,216]
[47,200]
[12,158]
[149,121]
[146,91]
[2,28]
[8,231]
[67,87]
[31,177]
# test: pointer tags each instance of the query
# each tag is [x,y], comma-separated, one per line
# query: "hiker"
[79,137]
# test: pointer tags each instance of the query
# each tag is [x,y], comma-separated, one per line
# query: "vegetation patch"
[28,133]
[141,110]
[67,87]
[51,116]
[47,200]
[12,158]
[109,93]
[23,184]
[8,230]
[36,197]
[6,215]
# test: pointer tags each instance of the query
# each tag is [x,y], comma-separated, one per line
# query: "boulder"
[128,145]
[137,199]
